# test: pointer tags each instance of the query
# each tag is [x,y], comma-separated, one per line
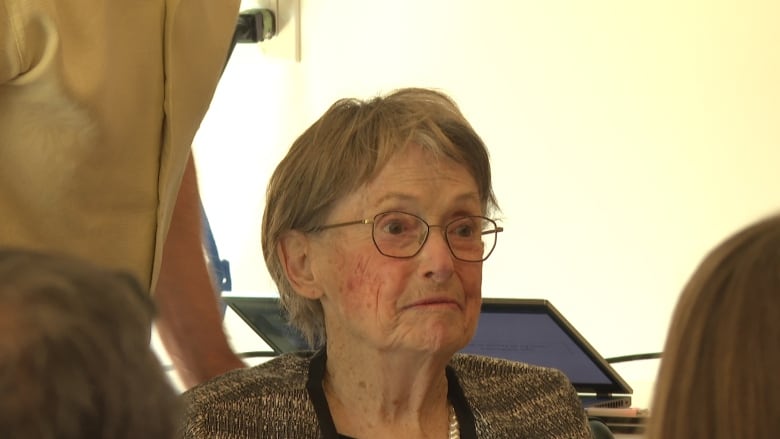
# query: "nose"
[438,261]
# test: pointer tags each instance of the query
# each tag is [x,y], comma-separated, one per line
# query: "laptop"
[527,330]
[266,318]
[534,331]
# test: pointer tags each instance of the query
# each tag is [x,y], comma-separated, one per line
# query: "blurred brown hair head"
[75,359]
[719,373]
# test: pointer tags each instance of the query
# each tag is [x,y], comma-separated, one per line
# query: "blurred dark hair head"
[75,358]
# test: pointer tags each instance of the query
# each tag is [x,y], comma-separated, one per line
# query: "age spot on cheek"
[360,278]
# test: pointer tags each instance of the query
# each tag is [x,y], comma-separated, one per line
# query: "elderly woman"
[375,230]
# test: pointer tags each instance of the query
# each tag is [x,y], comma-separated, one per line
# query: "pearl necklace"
[454,427]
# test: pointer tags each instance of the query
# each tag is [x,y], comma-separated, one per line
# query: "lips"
[434,301]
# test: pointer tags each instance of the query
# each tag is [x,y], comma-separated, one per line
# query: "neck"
[393,395]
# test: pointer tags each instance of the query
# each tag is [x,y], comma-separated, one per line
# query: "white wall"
[627,137]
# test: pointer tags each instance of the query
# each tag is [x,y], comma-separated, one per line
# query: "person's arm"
[189,322]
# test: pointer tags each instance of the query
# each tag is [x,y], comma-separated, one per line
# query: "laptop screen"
[534,332]
[264,315]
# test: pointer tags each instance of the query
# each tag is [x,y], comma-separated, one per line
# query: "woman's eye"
[464,230]
[394,228]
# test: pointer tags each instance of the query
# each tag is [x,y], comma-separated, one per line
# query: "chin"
[444,339]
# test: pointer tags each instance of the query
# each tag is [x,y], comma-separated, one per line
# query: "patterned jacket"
[508,400]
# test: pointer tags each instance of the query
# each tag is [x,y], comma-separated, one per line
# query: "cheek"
[470,276]
[471,280]
[361,282]
[352,273]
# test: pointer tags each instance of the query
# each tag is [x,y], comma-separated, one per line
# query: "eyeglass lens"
[402,235]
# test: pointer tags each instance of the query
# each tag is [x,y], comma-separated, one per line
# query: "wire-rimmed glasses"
[402,235]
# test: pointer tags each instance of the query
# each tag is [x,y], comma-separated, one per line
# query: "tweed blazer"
[508,399]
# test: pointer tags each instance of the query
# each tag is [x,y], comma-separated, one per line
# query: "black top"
[328,428]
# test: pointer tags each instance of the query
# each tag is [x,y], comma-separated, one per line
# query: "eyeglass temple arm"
[350,223]
[496,230]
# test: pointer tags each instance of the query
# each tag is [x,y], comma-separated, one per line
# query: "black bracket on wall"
[255,25]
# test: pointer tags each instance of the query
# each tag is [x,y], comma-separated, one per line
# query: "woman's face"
[428,303]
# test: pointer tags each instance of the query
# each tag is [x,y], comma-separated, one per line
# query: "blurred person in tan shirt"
[99,104]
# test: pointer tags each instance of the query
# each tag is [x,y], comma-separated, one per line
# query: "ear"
[294,251]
